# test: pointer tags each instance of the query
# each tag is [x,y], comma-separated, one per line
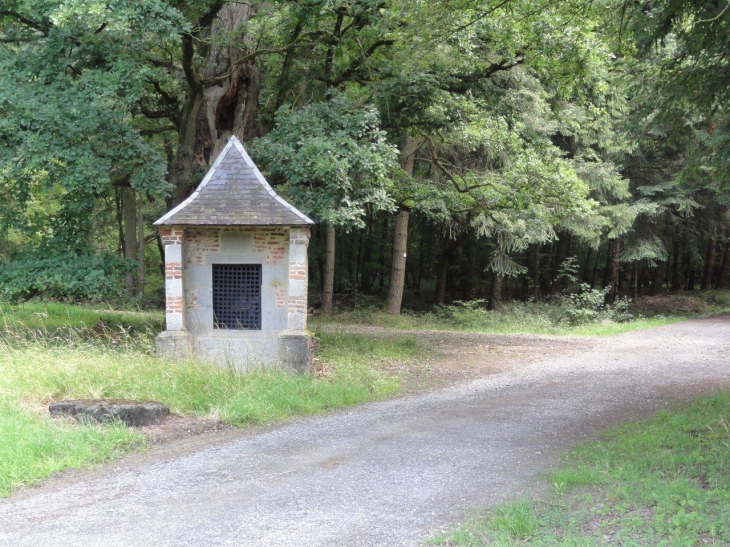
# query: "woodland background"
[448,151]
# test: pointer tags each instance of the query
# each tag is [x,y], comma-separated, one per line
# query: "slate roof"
[234,193]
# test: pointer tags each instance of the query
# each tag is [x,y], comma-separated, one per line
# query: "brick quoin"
[173,270]
[171,235]
[174,304]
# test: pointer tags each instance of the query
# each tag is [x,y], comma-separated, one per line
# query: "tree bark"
[400,242]
[635,281]
[120,220]
[613,267]
[657,280]
[563,250]
[495,295]
[677,281]
[589,272]
[722,277]
[329,270]
[398,269]
[443,270]
[140,245]
[535,270]
[709,265]
[130,233]
[222,95]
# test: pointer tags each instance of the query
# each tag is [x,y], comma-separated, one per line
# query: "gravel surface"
[386,474]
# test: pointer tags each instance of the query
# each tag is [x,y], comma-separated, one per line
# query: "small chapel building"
[236,271]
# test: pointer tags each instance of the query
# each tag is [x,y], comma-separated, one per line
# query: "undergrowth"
[581,313]
[663,481]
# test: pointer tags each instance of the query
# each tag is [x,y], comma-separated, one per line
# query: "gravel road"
[385,474]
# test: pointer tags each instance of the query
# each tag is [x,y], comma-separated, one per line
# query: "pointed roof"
[234,193]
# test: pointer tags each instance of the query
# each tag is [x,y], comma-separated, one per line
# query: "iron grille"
[237,296]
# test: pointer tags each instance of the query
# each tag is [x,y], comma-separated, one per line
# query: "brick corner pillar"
[295,342]
[174,342]
[172,239]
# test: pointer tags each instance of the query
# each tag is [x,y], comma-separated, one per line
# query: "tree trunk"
[657,281]
[613,267]
[449,249]
[635,281]
[677,283]
[329,270]
[400,242]
[709,265]
[495,295]
[722,277]
[589,272]
[130,233]
[161,249]
[563,250]
[120,221]
[214,108]
[535,270]
[140,245]
[441,280]
[382,257]
[398,269]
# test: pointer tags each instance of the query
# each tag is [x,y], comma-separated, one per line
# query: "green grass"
[663,481]
[63,361]
[54,316]
[515,319]
[33,447]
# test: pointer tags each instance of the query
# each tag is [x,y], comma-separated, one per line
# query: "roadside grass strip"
[38,366]
[661,482]
[571,315]
[35,446]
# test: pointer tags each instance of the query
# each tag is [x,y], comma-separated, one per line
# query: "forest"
[458,150]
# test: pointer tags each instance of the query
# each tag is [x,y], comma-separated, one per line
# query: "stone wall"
[204,247]
[190,254]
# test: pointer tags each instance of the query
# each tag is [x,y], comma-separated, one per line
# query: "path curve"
[385,474]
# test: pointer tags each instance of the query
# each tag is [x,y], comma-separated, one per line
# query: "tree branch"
[224,75]
[44,29]
[157,130]
[357,63]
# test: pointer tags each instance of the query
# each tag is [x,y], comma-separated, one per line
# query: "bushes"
[588,306]
[567,309]
[64,276]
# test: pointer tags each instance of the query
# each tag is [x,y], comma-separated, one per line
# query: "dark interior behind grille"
[237,296]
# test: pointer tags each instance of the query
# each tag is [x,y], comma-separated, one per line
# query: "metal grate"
[237,296]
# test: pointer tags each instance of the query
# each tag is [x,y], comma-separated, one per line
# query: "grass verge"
[42,364]
[572,315]
[516,318]
[663,481]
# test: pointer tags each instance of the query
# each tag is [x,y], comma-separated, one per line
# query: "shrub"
[64,276]
[588,306]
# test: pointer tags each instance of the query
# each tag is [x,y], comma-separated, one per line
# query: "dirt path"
[385,474]
[455,357]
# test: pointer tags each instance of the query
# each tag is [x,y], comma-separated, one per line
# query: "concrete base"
[174,344]
[295,350]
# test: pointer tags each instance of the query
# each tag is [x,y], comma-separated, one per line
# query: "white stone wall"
[207,246]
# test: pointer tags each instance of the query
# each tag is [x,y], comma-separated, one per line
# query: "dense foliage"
[513,148]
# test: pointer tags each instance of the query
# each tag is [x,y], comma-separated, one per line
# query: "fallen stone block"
[134,413]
